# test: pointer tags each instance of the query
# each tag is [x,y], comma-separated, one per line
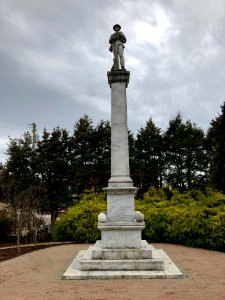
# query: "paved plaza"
[37,275]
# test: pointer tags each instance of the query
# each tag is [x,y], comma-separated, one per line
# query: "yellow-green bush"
[79,224]
[195,218]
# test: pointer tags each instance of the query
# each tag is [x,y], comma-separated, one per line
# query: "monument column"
[120,170]
[121,253]
[121,226]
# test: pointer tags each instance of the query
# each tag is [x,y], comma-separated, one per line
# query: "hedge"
[195,218]
[79,224]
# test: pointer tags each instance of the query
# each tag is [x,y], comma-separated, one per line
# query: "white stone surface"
[117,254]
[121,230]
[88,263]
[139,217]
[102,217]
[117,41]
[98,252]
[122,265]
[145,252]
[120,208]
[170,270]
[121,251]
[121,235]
[120,170]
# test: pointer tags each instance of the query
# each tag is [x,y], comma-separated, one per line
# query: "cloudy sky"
[54,58]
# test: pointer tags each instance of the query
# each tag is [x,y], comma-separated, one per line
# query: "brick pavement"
[37,275]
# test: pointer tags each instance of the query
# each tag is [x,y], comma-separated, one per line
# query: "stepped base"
[86,265]
[120,259]
[145,252]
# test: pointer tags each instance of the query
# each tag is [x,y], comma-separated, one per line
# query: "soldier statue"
[117,41]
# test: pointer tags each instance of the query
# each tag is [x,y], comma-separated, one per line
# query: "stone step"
[121,265]
[117,254]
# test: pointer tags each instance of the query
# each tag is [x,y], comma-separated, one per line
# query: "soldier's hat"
[117,27]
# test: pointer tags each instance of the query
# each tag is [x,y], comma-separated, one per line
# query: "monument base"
[124,235]
[100,263]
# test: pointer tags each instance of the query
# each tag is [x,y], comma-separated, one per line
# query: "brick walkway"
[37,275]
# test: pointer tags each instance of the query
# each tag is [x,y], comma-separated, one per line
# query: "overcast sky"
[54,58]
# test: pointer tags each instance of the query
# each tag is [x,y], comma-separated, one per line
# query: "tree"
[82,154]
[216,144]
[53,167]
[21,203]
[185,155]
[196,158]
[19,164]
[148,146]
[132,158]
[101,155]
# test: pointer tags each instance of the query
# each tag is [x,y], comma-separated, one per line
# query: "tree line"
[65,165]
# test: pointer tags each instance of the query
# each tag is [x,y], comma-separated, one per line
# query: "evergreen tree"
[53,167]
[102,151]
[132,158]
[196,158]
[185,155]
[19,164]
[82,155]
[216,144]
[148,146]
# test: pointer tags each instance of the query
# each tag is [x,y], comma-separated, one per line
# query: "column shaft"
[120,170]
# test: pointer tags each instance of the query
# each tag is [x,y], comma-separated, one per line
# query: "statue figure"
[117,41]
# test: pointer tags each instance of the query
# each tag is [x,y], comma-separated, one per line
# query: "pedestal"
[121,229]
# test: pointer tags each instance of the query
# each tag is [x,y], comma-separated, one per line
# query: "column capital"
[118,76]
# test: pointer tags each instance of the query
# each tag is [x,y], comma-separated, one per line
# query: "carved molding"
[118,76]
[121,191]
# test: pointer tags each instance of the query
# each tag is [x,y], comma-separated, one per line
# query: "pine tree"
[102,151]
[82,155]
[148,146]
[53,168]
[185,155]
[19,162]
[216,142]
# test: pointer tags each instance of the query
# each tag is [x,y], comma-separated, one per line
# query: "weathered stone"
[121,251]
[118,77]
[120,208]
[122,265]
[170,270]
[139,217]
[121,235]
[102,218]
[117,41]
[98,252]
[120,170]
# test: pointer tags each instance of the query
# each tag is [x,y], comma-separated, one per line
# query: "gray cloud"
[54,58]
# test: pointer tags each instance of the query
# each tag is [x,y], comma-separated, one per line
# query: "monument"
[121,252]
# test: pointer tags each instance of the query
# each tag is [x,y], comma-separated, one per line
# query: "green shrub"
[216,238]
[194,218]
[79,224]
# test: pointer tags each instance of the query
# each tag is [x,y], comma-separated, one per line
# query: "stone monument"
[121,252]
